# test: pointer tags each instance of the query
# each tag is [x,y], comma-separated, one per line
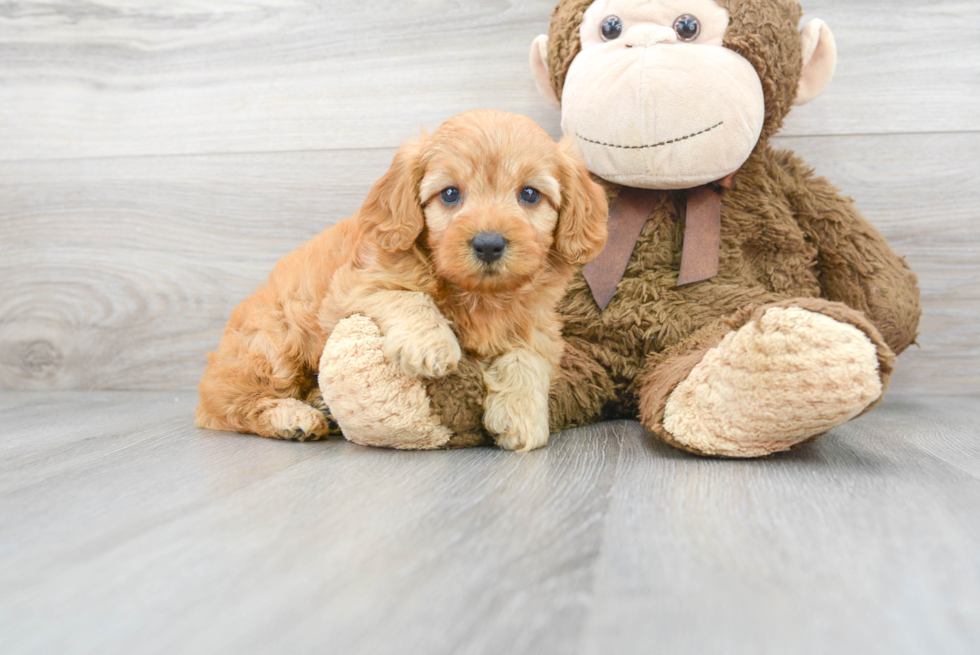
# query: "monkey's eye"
[530,195]
[612,28]
[688,27]
[451,196]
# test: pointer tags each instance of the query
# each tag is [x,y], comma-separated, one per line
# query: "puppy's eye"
[451,196]
[612,28]
[530,195]
[688,27]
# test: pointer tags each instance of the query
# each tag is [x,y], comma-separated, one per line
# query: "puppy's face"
[490,195]
[494,200]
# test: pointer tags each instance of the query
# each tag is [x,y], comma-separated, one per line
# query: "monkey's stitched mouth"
[653,145]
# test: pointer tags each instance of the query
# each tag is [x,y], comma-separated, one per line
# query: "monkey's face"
[654,100]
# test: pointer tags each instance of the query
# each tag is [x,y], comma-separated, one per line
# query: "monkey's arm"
[579,391]
[856,265]
[378,405]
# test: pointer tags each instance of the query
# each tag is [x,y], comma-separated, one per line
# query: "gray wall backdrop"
[156,158]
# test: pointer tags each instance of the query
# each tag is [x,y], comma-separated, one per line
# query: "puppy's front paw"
[517,422]
[432,352]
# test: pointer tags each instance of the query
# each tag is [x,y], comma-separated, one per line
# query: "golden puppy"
[475,228]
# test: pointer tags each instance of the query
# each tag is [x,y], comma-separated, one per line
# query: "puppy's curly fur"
[407,260]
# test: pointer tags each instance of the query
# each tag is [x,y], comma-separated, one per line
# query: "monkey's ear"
[581,232]
[819,60]
[539,66]
[392,214]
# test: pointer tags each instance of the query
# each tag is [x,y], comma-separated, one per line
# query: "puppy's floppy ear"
[392,214]
[581,232]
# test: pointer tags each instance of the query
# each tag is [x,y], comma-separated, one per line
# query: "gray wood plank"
[82,79]
[888,79]
[101,259]
[202,542]
[120,273]
[866,542]
[124,530]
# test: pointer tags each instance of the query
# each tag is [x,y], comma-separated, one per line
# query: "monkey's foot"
[374,401]
[779,380]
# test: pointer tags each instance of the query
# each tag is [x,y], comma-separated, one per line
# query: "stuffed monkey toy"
[742,306]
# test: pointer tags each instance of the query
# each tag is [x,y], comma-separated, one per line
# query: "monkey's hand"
[374,402]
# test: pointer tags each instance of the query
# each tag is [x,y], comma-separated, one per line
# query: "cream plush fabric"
[652,112]
[375,402]
[775,382]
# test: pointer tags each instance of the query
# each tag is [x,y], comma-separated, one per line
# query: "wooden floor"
[124,530]
[157,158]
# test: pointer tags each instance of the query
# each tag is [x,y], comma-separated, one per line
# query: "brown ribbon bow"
[630,212]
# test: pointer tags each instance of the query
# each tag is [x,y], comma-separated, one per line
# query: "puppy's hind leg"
[243,394]
[267,416]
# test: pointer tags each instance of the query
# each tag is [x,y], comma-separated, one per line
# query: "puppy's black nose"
[489,246]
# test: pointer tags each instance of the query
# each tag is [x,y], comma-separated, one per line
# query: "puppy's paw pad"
[513,430]
[522,440]
[300,435]
[315,400]
[295,420]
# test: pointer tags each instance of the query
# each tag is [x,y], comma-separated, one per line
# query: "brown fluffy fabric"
[460,396]
[669,368]
[788,239]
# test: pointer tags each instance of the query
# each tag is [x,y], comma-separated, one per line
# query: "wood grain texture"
[125,530]
[196,542]
[157,158]
[120,273]
[125,273]
[100,79]
[124,245]
[824,550]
